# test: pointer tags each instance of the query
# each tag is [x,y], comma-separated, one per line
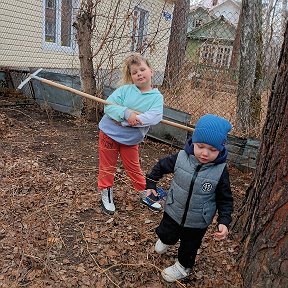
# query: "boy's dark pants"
[170,232]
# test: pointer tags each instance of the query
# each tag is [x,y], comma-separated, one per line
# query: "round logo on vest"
[207,187]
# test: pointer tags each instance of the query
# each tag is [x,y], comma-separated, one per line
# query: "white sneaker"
[160,247]
[107,201]
[175,272]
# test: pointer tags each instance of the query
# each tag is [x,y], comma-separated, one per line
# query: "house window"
[66,22]
[50,21]
[216,55]
[58,15]
[139,30]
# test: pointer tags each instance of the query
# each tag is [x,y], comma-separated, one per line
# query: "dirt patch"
[53,232]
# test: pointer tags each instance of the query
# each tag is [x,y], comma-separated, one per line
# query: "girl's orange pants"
[109,150]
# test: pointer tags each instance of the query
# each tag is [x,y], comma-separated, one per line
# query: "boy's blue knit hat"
[212,130]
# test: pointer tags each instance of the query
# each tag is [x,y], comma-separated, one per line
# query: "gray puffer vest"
[193,191]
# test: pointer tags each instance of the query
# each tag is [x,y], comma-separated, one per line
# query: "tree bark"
[177,43]
[236,45]
[84,29]
[284,14]
[250,74]
[263,220]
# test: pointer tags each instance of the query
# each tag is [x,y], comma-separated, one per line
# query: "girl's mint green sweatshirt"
[128,99]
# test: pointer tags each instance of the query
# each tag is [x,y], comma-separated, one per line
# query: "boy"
[199,187]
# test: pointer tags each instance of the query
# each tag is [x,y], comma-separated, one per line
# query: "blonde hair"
[133,58]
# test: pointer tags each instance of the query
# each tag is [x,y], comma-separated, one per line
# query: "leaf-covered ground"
[52,230]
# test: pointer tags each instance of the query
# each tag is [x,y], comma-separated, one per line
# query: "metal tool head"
[28,78]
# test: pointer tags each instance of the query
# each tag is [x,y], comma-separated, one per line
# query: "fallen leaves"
[53,232]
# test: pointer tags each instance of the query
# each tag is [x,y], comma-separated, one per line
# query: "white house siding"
[21,38]
[119,44]
[22,45]
[229,10]
[160,29]
[209,3]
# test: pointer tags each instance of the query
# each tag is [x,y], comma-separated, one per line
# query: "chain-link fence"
[198,73]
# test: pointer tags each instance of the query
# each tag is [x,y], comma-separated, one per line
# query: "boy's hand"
[222,233]
[151,191]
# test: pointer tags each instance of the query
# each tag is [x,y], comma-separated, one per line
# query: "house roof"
[219,28]
[201,10]
[234,3]
[200,7]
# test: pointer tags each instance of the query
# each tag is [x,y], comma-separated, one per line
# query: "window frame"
[56,46]
[135,44]
[216,55]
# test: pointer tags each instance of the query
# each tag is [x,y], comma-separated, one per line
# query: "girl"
[122,129]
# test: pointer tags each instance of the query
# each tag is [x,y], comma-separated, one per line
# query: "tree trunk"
[284,14]
[177,43]
[84,29]
[234,63]
[255,101]
[250,74]
[263,220]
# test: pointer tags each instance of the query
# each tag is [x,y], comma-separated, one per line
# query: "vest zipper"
[198,167]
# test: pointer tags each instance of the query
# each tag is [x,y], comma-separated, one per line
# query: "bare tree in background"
[177,43]
[273,35]
[251,66]
[263,221]
[92,73]
[284,14]
[84,24]
[104,33]
[236,45]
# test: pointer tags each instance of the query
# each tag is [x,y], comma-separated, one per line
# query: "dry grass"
[53,232]
[207,97]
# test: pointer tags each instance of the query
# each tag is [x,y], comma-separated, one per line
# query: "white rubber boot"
[107,201]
